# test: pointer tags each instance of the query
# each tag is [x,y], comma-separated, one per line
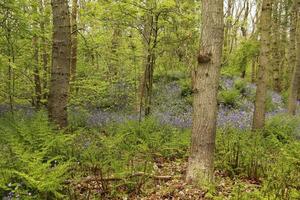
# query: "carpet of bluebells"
[170,107]
[173,109]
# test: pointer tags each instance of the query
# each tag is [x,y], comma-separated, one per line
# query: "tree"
[74,39]
[60,71]
[264,66]
[150,42]
[200,165]
[293,93]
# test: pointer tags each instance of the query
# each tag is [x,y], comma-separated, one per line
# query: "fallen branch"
[138,174]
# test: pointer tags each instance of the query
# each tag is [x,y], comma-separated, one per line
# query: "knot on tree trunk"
[204,58]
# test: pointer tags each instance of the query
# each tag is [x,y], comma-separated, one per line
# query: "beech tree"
[206,75]
[60,71]
[264,65]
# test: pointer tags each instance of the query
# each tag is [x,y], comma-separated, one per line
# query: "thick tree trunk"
[201,160]
[295,83]
[74,40]
[60,72]
[264,66]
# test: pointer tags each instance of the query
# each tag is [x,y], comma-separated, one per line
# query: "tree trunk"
[201,160]
[44,53]
[264,66]
[253,70]
[276,57]
[115,43]
[227,29]
[36,75]
[150,43]
[293,94]
[60,72]
[244,34]
[74,40]
[292,42]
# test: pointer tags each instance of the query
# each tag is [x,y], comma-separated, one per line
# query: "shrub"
[186,87]
[240,85]
[229,97]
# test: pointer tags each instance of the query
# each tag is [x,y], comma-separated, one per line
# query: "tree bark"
[293,94]
[264,66]
[227,29]
[207,72]
[276,57]
[74,40]
[45,55]
[60,72]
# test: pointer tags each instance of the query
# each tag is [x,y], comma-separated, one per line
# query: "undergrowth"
[39,162]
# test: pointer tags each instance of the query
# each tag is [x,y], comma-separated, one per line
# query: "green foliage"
[270,105]
[283,128]
[240,85]
[242,55]
[186,87]
[229,97]
[32,158]
[285,96]
[270,156]
[78,117]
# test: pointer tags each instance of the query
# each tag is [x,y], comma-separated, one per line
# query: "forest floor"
[167,182]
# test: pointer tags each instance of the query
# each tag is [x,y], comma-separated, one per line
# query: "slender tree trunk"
[295,83]
[74,39]
[264,66]
[45,55]
[36,75]
[201,160]
[227,29]
[292,43]
[10,73]
[10,86]
[150,42]
[60,72]
[244,34]
[253,70]
[276,57]
[115,43]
